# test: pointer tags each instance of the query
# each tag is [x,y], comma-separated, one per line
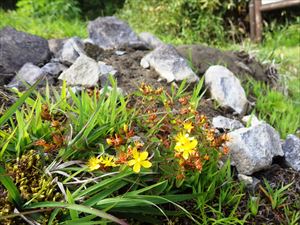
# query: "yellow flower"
[125,128]
[109,141]
[108,161]
[188,126]
[185,144]
[139,159]
[93,163]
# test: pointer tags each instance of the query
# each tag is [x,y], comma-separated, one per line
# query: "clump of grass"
[46,27]
[135,157]
[279,110]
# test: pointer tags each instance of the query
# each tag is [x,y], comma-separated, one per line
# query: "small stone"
[225,88]
[248,180]
[291,149]
[251,120]
[71,50]
[84,72]
[169,64]
[105,71]
[53,68]
[150,39]
[29,74]
[119,53]
[226,123]
[56,45]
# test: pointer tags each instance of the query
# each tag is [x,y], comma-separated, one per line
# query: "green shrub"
[45,27]
[67,9]
[274,107]
[189,20]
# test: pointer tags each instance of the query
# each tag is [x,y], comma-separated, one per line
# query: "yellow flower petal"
[135,153]
[193,143]
[93,163]
[146,164]
[185,155]
[143,155]
[132,162]
[188,126]
[137,167]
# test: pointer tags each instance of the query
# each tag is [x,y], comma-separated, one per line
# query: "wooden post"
[252,20]
[258,20]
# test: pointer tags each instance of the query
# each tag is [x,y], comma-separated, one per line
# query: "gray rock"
[169,64]
[225,88]
[251,120]
[110,32]
[71,50]
[53,68]
[252,149]
[150,39]
[120,53]
[18,48]
[226,123]
[105,71]
[56,45]
[291,149]
[84,72]
[248,180]
[29,74]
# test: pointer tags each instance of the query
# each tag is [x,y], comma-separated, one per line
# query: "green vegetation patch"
[46,27]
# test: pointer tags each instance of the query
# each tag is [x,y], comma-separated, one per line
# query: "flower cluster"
[179,138]
[127,152]
[102,163]
[185,145]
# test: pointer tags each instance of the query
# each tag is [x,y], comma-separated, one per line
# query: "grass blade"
[79,208]
[10,187]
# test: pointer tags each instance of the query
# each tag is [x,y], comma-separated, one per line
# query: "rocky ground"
[257,150]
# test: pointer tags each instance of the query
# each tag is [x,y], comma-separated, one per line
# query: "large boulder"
[84,72]
[225,88]
[252,149]
[110,32]
[166,61]
[18,48]
[291,149]
[240,63]
[28,74]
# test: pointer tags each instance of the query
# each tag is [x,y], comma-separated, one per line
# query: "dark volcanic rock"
[109,32]
[240,63]
[18,48]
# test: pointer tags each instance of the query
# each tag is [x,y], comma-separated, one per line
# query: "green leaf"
[17,104]
[79,208]
[13,191]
